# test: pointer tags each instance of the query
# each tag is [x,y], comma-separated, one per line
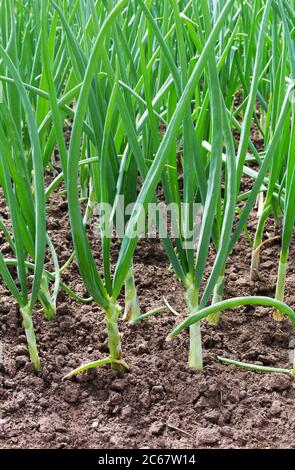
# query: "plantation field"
[162,403]
[147,212]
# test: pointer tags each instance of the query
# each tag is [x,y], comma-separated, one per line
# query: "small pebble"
[119,385]
[142,348]
[208,436]
[126,412]
[71,393]
[21,350]
[277,383]
[157,428]
[276,409]
[21,361]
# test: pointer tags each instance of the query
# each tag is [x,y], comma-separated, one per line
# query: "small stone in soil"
[28,368]
[212,417]
[115,399]
[21,361]
[277,383]
[119,385]
[226,431]
[157,428]
[145,400]
[62,349]
[2,424]
[126,412]
[66,323]
[9,384]
[71,393]
[276,409]
[86,323]
[234,396]
[208,436]
[158,389]
[49,437]
[114,441]
[51,423]
[21,350]
[142,348]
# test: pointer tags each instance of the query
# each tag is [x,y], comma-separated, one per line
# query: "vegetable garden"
[112,104]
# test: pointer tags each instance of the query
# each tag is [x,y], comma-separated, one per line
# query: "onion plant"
[281,174]
[187,269]
[22,179]
[217,223]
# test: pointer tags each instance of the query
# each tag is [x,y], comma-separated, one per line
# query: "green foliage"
[153,92]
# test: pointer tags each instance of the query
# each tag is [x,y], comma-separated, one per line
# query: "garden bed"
[105,102]
[161,403]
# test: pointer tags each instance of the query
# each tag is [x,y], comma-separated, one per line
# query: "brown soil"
[161,403]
